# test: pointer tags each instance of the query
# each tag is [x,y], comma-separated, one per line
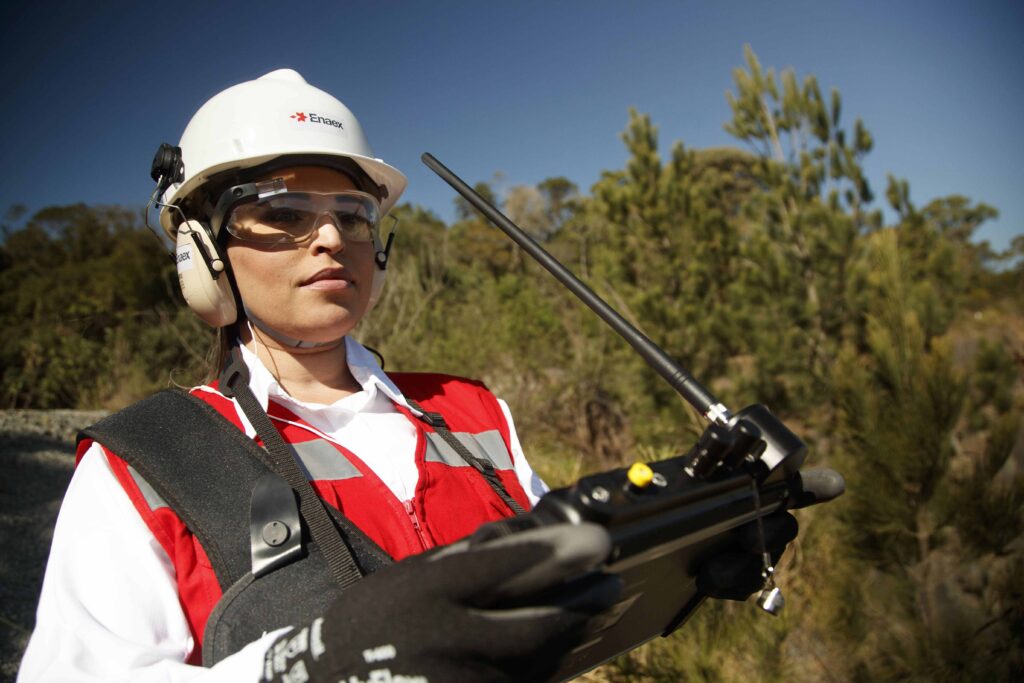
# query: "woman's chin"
[326,330]
[318,324]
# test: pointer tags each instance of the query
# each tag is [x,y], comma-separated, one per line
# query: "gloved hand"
[735,573]
[498,611]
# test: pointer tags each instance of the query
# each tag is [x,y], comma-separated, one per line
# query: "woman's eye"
[281,216]
[351,219]
[356,226]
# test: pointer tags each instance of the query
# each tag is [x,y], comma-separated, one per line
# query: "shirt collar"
[361,363]
[364,367]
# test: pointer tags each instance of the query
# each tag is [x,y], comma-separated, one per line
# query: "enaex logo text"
[313,118]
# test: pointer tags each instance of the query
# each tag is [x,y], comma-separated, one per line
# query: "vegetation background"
[896,349]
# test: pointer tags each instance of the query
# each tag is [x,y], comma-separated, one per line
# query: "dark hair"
[219,352]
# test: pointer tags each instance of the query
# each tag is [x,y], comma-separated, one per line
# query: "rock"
[37,452]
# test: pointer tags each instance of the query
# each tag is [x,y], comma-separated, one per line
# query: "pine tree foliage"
[804,222]
[897,412]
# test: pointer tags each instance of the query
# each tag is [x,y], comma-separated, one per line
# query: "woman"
[275,204]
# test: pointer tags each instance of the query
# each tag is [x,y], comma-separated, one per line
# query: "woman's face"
[317,290]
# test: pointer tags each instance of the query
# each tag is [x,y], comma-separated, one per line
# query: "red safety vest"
[450,502]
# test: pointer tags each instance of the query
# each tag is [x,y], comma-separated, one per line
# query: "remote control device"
[654,524]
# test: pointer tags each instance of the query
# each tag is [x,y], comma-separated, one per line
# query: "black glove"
[498,611]
[735,573]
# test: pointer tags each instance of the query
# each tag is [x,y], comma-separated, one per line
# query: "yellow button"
[640,475]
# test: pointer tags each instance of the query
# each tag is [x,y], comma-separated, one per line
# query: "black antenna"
[679,379]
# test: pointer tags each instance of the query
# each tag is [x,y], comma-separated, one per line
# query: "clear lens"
[293,217]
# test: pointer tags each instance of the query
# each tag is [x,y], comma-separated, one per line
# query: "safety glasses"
[267,213]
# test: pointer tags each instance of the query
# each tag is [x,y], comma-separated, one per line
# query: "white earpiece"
[204,284]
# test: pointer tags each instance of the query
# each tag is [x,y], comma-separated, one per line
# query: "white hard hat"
[276,115]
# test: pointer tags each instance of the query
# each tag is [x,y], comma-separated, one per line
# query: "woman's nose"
[328,235]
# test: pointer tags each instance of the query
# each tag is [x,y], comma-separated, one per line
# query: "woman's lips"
[328,279]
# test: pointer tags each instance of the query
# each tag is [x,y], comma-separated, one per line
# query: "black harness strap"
[234,382]
[484,467]
[205,469]
[152,435]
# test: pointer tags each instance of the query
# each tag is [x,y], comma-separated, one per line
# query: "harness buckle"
[435,420]
[236,373]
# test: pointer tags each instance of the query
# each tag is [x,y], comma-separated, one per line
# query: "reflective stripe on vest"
[487,446]
[321,460]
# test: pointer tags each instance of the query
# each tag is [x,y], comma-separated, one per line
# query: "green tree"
[803,223]
[945,265]
[85,292]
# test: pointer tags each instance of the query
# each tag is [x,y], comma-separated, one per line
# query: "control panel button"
[640,475]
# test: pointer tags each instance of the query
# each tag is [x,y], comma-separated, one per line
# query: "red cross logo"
[298,115]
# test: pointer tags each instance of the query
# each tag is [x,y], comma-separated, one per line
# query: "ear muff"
[202,277]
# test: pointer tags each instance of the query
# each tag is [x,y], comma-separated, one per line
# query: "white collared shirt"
[368,424]
[109,607]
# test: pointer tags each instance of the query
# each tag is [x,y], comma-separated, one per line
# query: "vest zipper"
[407,504]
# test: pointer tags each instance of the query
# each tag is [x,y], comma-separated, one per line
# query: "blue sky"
[528,89]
